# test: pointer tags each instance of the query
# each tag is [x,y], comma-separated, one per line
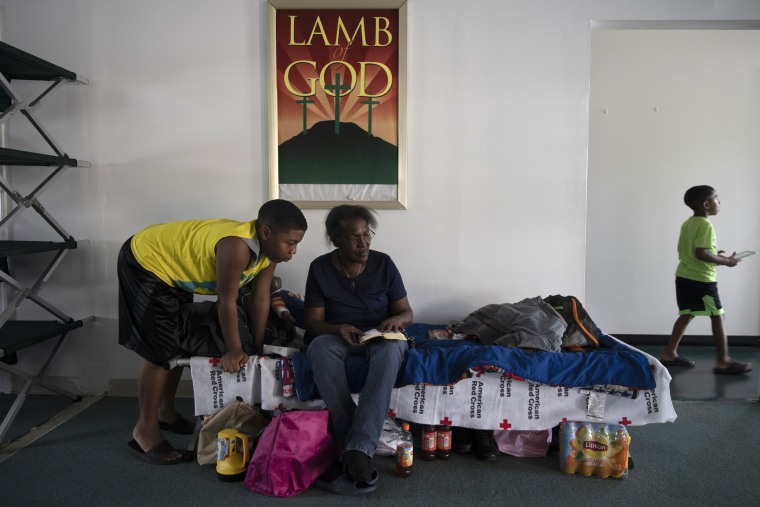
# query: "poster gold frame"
[401,191]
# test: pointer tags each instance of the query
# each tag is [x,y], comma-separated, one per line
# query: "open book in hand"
[744,254]
[374,333]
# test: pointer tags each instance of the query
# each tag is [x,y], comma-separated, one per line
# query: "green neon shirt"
[696,232]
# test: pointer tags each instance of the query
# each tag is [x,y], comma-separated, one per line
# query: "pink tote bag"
[294,449]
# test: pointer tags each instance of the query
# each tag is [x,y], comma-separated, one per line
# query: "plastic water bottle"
[428,443]
[404,453]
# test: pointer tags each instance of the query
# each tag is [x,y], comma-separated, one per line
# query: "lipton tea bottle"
[443,442]
[429,443]
[569,447]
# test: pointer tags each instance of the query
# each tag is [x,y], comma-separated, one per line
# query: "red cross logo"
[445,421]
[505,425]
[391,413]
[214,361]
[625,421]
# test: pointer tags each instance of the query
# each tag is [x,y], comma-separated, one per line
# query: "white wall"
[174,122]
[671,109]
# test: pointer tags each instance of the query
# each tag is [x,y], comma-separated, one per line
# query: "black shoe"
[461,439]
[485,445]
[359,466]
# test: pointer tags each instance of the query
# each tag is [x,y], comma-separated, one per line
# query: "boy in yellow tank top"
[159,270]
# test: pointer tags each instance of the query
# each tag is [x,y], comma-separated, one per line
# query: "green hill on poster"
[350,157]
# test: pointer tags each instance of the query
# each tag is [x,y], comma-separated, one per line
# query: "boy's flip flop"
[180,426]
[734,368]
[678,361]
[155,456]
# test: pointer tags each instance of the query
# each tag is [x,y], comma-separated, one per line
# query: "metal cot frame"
[16,335]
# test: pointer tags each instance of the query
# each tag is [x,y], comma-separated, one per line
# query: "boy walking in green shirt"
[696,281]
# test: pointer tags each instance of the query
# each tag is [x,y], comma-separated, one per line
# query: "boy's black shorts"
[697,298]
[161,322]
[149,310]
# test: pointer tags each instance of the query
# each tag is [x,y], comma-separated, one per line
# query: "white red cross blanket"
[486,400]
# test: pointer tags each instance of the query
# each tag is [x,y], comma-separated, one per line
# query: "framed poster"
[337,102]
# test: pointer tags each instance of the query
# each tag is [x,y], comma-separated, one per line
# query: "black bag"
[581,331]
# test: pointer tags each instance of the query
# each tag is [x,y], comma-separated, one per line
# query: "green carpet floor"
[708,456]
[700,383]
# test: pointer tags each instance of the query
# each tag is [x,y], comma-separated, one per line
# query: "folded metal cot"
[17,335]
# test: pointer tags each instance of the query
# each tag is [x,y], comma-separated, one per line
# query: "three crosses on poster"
[337,88]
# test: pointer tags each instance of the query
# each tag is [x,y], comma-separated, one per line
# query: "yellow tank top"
[182,253]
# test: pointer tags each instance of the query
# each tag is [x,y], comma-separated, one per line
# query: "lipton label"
[592,445]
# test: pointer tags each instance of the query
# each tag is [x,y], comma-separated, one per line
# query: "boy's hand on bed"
[233,360]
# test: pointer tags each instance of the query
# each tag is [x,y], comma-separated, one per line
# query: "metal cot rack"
[17,335]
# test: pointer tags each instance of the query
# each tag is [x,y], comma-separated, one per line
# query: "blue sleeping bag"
[445,362]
